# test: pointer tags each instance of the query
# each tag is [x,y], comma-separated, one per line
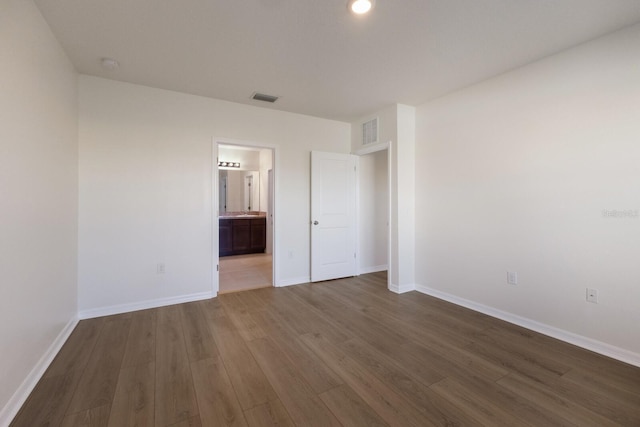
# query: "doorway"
[373,209]
[350,235]
[244,215]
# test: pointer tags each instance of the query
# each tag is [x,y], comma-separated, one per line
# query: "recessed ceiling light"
[110,64]
[360,7]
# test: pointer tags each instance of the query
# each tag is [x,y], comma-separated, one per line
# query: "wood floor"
[345,352]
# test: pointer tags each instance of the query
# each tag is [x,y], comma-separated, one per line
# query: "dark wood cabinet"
[225,237]
[258,234]
[242,236]
[241,230]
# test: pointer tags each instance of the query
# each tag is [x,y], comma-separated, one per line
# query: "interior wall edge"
[590,344]
[143,305]
[373,269]
[401,289]
[21,395]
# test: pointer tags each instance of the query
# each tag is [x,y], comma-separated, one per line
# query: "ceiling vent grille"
[263,97]
[370,132]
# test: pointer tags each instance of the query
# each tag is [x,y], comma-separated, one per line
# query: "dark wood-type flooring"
[345,352]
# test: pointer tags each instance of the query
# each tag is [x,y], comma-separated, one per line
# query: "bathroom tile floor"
[244,272]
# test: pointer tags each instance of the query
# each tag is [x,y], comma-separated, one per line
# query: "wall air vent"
[370,132]
[263,97]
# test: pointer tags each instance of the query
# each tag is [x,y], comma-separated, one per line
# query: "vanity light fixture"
[360,7]
[229,164]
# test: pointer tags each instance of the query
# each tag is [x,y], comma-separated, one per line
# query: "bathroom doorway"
[244,175]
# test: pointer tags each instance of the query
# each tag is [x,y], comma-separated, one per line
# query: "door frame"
[382,146]
[215,202]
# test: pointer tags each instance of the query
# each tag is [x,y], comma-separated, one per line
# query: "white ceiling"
[320,59]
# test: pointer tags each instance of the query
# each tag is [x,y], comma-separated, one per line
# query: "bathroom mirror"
[239,190]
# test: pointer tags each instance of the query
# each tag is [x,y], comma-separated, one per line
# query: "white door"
[333,215]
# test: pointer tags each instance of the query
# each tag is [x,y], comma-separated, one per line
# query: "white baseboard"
[294,281]
[569,337]
[402,288]
[22,393]
[143,305]
[373,269]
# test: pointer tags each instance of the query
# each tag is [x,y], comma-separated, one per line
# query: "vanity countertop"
[243,215]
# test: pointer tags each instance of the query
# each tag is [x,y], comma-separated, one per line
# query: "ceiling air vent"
[263,97]
[370,132]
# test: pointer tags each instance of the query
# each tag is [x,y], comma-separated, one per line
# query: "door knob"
[315,223]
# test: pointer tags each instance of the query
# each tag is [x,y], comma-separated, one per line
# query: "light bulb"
[361,6]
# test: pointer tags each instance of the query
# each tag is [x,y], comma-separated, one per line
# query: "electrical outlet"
[592,295]
[512,277]
[160,268]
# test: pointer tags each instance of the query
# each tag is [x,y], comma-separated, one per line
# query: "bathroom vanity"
[242,233]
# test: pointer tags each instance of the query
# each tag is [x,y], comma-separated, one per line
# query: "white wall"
[514,174]
[403,212]
[266,165]
[373,211]
[396,127]
[38,199]
[249,159]
[145,189]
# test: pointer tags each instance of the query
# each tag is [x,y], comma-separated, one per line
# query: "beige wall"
[514,174]
[38,199]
